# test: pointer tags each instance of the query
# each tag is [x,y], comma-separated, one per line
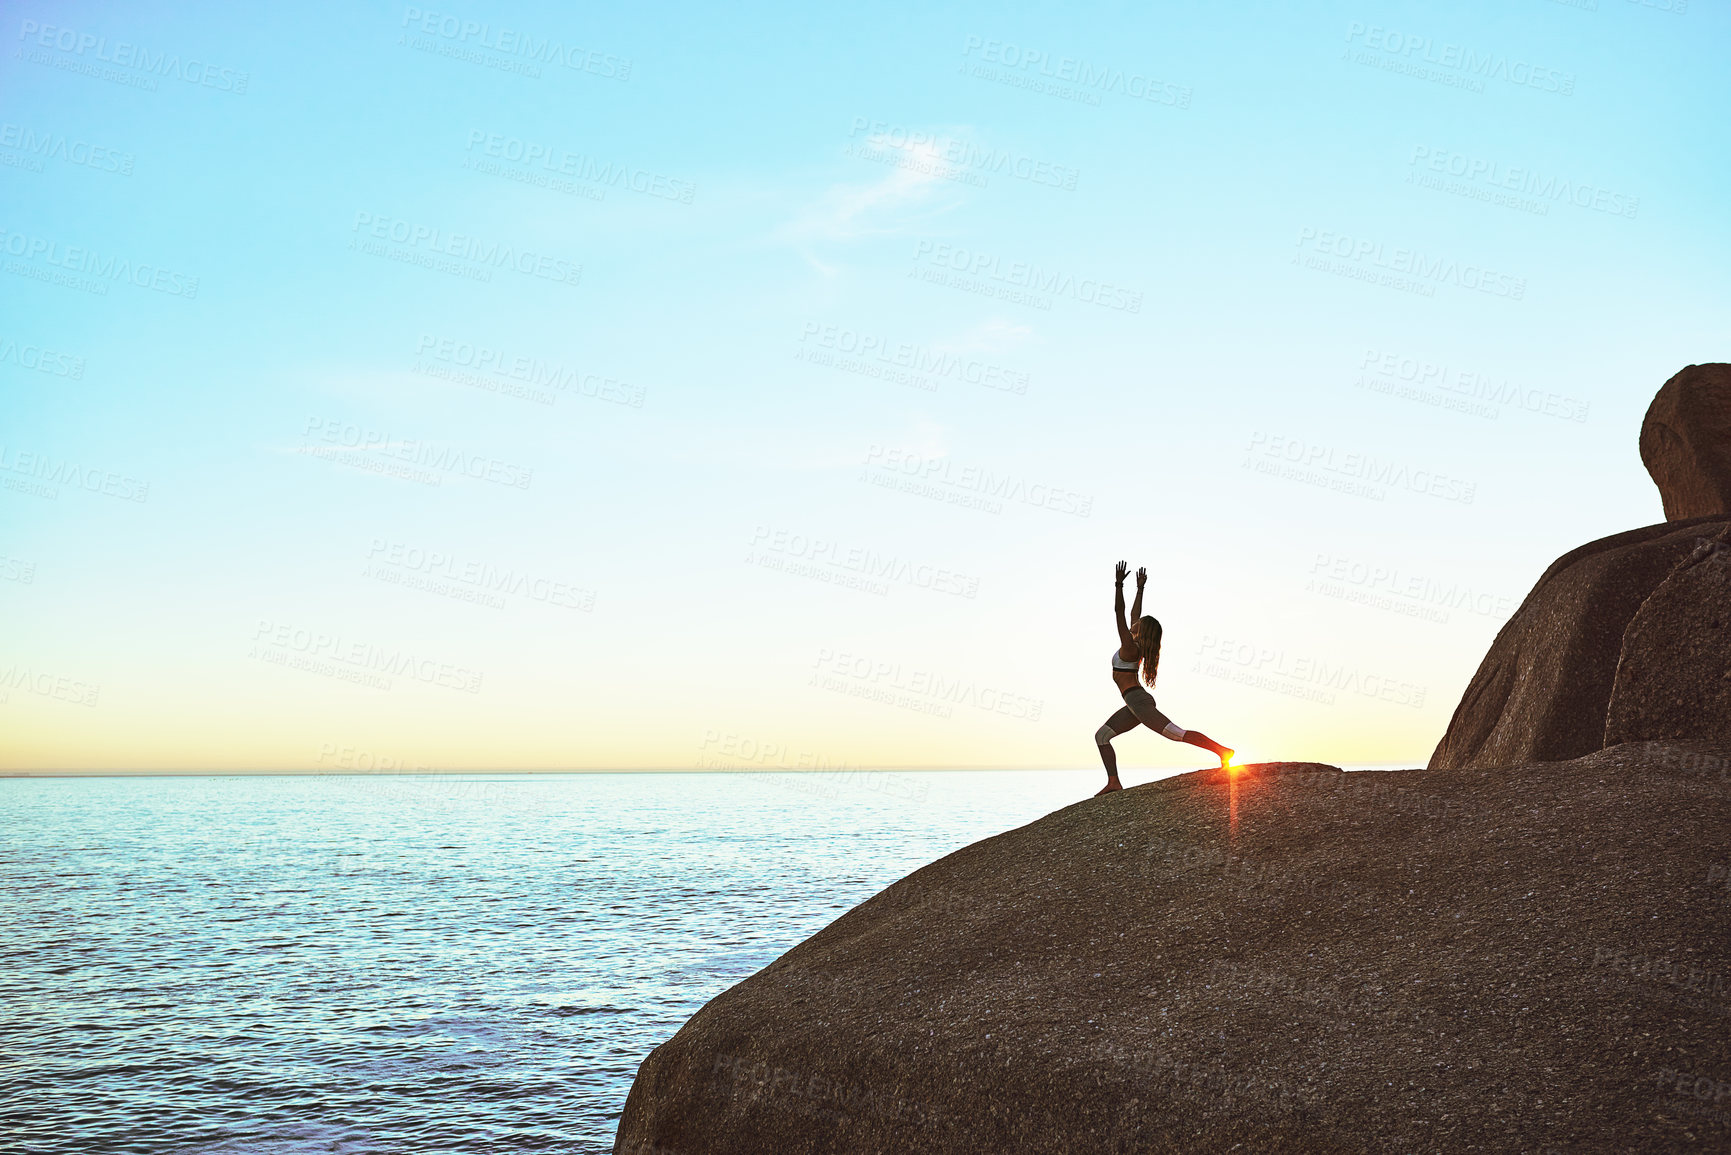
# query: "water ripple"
[348,964]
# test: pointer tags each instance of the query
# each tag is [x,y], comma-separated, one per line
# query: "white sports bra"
[1119,663]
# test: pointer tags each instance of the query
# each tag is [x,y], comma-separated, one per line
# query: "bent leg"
[1141,704]
[1117,724]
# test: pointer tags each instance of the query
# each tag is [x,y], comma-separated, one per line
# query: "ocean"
[387,963]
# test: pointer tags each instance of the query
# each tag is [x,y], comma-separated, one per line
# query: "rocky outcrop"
[1674,676]
[1291,959]
[1543,689]
[1686,442]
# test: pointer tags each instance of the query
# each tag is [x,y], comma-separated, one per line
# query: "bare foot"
[1111,785]
[1226,758]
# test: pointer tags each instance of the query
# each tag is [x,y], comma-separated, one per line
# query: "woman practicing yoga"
[1140,645]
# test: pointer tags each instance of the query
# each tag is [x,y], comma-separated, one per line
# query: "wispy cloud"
[898,204]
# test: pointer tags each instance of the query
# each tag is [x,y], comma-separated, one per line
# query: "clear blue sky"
[501,386]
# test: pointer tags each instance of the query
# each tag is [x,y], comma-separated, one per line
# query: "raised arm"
[1136,608]
[1125,641]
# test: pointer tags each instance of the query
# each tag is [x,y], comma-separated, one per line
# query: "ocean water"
[378,963]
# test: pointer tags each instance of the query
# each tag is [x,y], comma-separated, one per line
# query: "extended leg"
[1117,724]
[1198,738]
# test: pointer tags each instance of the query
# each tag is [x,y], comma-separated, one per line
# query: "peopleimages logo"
[1355,471]
[1089,79]
[919,359]
[126,55]
[579,166]
[512,42]
[71,150]
[1023,278]
[63,471]
[1521,180]
[77,259]
[42,360]
[952,155]
[1370,255]
[1403,52]
[434,241]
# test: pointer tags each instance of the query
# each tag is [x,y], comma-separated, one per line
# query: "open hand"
[1122,571]
[1141,578]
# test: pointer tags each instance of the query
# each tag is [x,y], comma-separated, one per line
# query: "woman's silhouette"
[1139,645]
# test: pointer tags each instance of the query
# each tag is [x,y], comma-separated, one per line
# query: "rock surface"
[1290,959]
[1686,442]
[1542,691]
[1674,676]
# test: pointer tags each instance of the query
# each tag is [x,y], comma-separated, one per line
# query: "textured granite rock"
[1542,690]
[1674,676]
[1686,442]
[1293,959]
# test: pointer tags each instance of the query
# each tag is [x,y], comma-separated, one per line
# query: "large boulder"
[1674,676]
[1686,442]
[1542,691]
[1289,959]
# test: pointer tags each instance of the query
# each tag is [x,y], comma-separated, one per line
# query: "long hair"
[1147,632]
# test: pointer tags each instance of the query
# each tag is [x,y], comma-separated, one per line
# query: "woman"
[1140,645]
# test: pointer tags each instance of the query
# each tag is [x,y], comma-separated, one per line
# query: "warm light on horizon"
[796,437]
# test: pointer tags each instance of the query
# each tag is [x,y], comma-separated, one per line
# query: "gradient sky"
[868,340]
